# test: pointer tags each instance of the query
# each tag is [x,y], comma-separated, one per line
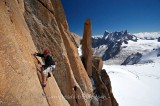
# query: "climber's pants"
[49,69]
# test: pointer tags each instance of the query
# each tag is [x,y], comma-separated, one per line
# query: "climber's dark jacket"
[48,59]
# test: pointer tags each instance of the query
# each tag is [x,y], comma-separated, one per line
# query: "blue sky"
[113,15]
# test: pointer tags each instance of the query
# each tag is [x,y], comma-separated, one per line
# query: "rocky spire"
[87,47]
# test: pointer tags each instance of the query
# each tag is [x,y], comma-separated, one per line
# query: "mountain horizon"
[157,33]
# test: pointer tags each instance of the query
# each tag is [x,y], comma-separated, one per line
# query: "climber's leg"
[44,80]
[44,75]
[39,67]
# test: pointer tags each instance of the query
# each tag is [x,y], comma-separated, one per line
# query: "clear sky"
[113,15]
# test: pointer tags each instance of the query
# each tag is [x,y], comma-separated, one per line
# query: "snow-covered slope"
[136,85]
[141,46]
[148,34]
[139,84]
[100,51]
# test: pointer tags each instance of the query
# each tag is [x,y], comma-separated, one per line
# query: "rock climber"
[48,67]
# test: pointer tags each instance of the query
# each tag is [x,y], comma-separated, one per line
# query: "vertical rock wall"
[49,29]
[28,25]
[19,83]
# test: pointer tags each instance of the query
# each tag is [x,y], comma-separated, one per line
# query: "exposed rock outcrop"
[79,71]
[106,80]
[158,54]
[87,48]
[102,83]
[132,59]
[98,63]
[103,95]
[158,39]
[76,39]
[101,90]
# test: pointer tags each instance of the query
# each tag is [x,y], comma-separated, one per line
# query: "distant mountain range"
[108,45]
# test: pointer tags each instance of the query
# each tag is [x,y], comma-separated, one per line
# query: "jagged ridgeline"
[28,26]
[109,45]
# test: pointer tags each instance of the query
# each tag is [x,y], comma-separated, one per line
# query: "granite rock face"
[28,26]
[106,80]
[76,39]
[87,47]
[102,84]
[50,30]
[20,85]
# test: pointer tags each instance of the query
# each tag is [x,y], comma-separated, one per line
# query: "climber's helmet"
[45,52]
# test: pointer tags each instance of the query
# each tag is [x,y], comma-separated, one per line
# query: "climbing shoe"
[49,75]
[43,85]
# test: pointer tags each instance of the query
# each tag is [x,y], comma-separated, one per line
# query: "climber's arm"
[38,54]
